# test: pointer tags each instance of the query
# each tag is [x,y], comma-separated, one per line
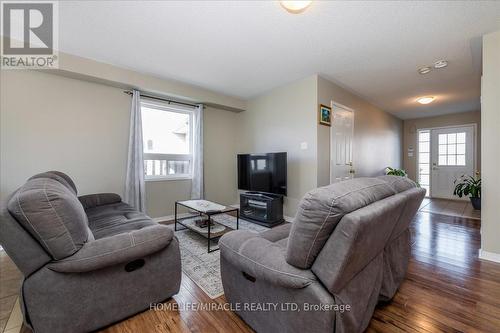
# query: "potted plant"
[469,186]
[395,172]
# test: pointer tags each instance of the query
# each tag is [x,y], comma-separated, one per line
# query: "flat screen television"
[262,172]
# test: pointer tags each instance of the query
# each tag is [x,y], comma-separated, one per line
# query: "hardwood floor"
[10,282]
[447,289]
[459,208]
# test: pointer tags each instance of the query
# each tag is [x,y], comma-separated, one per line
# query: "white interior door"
[452,155]
[341,145]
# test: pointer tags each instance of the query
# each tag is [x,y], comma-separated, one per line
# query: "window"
[451,149]
[424,152]
[167,141]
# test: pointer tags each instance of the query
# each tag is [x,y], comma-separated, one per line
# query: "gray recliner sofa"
[87,261]
[347,248]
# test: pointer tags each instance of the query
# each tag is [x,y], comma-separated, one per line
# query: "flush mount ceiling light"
[426,99]
[440,64]
[295,7]
[424,70]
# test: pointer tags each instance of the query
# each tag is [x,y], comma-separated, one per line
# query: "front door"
[452,155]
[341,144]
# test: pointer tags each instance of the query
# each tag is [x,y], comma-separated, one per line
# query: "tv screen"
[262,172]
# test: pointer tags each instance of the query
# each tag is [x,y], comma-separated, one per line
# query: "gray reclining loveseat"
[347,248]
[87,261]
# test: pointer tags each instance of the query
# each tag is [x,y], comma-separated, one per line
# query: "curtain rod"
[169,101]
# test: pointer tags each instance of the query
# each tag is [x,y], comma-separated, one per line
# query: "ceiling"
[245,48]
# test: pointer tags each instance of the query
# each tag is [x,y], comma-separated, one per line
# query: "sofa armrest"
[262,259]
[99,199]
[117,249]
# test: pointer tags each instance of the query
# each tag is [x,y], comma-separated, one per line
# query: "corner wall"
[490,114]
[378,135]
[280,121]
[286,117]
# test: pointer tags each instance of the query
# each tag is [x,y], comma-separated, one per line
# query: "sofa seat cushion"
[321,210]
[114,219]
[52,214]
[261,259]
[277,233]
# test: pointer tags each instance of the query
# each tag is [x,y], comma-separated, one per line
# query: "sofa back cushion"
[320,211]
[414,198]
[398,183]
[51,212]
[359,237]
[61,177]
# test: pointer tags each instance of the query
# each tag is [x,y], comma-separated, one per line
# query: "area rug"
[202,267]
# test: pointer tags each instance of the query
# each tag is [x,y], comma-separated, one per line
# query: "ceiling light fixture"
[424,70]
[295,7]
[440,64]
[426,99]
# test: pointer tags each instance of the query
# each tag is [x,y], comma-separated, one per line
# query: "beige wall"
[377,135]
[280,121]
[53,123]
[221,134]
[81,128]
[490,113]
[90,70]
[412,126]
[77,121]
[287,116]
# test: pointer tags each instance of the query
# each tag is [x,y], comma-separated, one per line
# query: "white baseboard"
[491,256]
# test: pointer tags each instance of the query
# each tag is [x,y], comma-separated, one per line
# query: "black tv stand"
[262,208]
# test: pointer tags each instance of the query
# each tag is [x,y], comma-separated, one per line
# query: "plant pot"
[476,203]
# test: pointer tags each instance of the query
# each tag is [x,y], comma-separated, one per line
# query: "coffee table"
[209,209]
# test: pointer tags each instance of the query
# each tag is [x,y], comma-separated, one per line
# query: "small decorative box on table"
[203,223]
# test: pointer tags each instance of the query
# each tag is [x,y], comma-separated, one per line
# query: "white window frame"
[428,194]
[171,157]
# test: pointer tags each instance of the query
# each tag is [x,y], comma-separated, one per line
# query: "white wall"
[280,121]
[490,137]
[52,122]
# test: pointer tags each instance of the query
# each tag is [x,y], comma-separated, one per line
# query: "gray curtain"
[134,183]
[197,184]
